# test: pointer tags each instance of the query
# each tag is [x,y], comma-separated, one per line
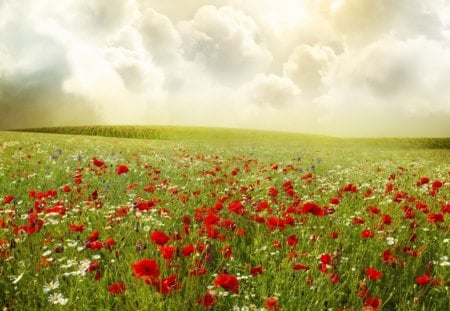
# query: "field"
[194,218]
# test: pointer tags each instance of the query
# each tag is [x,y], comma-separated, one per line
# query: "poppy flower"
[76,227]
[423,280]
[228,282]
[208,300]
[146,268]
[373,274]
[98,163]
[335,278]
[159,237]
[299,266]
[367,234]
[371,303]
[7,199]
[167,251]
[435,218]
[236,207]
[188,250]
[325,258]
[122,169]
[292,240]
[254,271]
[167,285]
[117,288]
[272,303]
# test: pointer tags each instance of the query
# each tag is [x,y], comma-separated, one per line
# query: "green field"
[233,219]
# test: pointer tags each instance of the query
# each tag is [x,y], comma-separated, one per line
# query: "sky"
[350,68]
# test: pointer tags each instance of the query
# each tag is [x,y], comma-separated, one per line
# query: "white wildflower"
[17,279]
[48,287]
[57,298]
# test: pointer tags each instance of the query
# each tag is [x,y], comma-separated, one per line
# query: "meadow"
[167,218]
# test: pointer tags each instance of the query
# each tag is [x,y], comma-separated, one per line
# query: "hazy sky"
[337,67]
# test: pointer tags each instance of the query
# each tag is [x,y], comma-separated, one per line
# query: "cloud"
[386,88]
[328,66]
[225,43]
[271,91]
[308,66]
[32,70]
[159,35]
[363,21]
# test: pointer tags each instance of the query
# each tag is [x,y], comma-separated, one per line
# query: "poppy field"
[107,223]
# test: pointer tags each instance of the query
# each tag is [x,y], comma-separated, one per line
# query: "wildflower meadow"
[275,223]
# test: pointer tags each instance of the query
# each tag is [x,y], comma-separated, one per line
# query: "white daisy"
[57,298]
[51,286]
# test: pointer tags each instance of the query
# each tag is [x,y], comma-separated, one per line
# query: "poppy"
[254,271]
[272,303]
[159,237]
[373,274]
[228,282]
[117,288]
[146,268]
[122,169]
[423,280]
[208,300]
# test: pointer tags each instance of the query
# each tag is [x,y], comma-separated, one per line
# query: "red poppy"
[167,285]
[437,184]
[228,282]
[167,251]
[335,278]
[117,288]
[159,237]
[423,181]
[7,199]
[254,271]
[299,266]
[423,280]
[292,240]
[387,219]
[373,209]
[436,217]
[325,258]
[208,300]
[272,303]
[372,304]
[76,227]
[122,169]
[109,243]
[226,252]
[98,163]
[373,274]
[335,201]
[146,268]
[236,207]
[188,250]
[367,234]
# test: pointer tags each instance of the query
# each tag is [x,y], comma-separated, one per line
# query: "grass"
[224,182]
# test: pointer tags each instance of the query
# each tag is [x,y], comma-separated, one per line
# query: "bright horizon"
[346,68]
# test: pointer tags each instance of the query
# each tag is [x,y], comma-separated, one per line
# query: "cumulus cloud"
[271,91]
[342,67]
[308,66]
[386,87]
[225,43]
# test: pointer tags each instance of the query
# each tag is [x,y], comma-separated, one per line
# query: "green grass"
[238,135]
[185,171]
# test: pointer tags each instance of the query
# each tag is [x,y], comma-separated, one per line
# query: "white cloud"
[308,66]
[330,66]
[385,86]
[225,43]
[271,91]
